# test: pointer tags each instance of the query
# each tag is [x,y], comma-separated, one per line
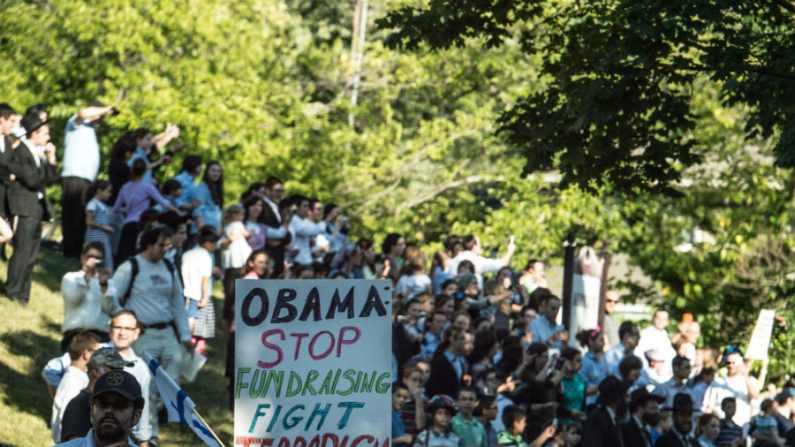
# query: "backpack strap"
[135,268]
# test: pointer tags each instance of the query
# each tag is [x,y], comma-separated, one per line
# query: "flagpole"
[217,439]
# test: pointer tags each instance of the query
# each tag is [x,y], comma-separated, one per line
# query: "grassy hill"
[30,336]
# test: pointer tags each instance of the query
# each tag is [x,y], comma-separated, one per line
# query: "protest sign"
[312,363]
[760,339]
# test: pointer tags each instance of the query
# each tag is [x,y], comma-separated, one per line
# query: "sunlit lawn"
[29,336]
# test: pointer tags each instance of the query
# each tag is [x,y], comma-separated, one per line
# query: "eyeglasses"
[123,328]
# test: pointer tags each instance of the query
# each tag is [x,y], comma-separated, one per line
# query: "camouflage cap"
[107,356]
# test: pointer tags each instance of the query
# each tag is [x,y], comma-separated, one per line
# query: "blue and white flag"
[180,407]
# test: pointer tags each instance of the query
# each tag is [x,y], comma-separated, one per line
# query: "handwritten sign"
[312,363]
[760,339]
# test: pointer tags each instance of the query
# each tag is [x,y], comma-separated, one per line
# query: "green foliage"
[621,74]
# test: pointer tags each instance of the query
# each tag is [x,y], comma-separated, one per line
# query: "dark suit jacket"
[671,440]
[444,379]
[635,436]
[30,180]
[5,181]
[270,219]
[600,431]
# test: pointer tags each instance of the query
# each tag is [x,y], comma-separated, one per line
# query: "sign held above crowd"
[310,368]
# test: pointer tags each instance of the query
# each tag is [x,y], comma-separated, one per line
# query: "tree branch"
[430,195]
[784,4]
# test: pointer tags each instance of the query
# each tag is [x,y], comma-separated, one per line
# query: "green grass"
[30,336]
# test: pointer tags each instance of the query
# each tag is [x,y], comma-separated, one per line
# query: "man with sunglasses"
[738,384]
[83,293]
[116,407]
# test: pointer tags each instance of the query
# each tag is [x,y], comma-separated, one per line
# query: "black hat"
[31,122]
[683,403]
[120,382]
[641,396]
[610,390]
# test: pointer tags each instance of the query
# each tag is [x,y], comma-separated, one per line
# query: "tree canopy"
[620,76]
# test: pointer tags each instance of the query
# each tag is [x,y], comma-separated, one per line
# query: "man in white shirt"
[124,331]
[81,162]
[83,293]
[656,337]
[738,383]
[472,253]
[75,379]
[304,231]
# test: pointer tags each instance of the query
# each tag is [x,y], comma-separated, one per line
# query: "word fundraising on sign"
[312,363]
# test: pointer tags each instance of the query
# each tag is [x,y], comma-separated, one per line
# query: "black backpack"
[135,269]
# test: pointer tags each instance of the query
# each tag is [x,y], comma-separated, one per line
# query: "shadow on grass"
[209,392]
[27,392]
[50,268]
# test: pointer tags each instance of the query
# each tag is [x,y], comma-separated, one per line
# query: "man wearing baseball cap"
[116,406]
[77,415]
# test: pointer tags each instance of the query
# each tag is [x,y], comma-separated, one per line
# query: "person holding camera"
[83,292]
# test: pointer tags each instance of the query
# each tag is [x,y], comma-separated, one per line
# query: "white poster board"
[586,285]
[312,363]
[760,339]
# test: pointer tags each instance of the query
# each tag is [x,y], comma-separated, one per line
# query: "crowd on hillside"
[480,358]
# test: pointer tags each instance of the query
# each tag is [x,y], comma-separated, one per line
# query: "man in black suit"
[9,120]
[449,366]
[602,427]
[679,434]
[33,167]
[643,406]
[277,237]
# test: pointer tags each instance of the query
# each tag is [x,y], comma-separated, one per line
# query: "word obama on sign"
[312,363]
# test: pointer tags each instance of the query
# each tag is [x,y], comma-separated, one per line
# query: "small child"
[98,226]
[400,394]
[571,434]
[172,191]
[237,252]
[573,385]
[764,428]
[514,419]
[197,268]
[442,408]
[729,431]
[413,279]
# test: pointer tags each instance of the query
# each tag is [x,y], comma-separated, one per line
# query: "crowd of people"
[480,357]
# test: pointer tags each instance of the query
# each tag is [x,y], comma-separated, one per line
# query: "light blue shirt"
[81,151]
[594,370]
[543,330]
[208,210]
[188,184]
[139,153]
[614,357]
